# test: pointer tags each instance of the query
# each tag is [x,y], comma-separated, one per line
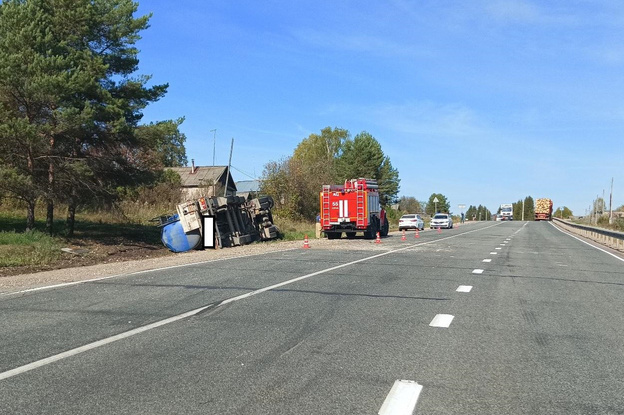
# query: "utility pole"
[227,177]
[610,203]
[523,208]
[214,145]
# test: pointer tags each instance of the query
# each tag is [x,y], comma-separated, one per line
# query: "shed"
[198,181]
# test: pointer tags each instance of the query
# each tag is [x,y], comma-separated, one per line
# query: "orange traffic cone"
[306,242]
[439,230]
[403,238]
[378,240]
[417,234]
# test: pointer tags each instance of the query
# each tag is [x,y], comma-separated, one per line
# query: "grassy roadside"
[29,248]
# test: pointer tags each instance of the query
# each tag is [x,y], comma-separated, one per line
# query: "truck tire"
[334,235]
[373,227]
[350,235]
[385,228]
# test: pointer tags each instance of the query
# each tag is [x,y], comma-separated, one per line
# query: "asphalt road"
[537,330]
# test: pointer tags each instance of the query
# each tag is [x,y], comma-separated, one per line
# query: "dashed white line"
[477,271]
[442,320]
[402,398]
[493,253]
[487,260]
[498,248]
[464,288]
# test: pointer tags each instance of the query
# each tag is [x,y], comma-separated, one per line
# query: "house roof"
[202,176]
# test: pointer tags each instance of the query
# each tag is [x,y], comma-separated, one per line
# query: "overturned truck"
[237,221]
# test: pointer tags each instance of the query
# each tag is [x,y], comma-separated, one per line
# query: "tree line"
[71,106]
[330,157]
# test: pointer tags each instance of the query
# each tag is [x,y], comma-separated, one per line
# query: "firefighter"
[318,226]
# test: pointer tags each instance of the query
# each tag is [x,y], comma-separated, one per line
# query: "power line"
[244,173]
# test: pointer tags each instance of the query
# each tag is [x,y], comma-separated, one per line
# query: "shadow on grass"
[95,231]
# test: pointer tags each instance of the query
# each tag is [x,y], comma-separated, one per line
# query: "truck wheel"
[385,229]
[350,235]
[334,235]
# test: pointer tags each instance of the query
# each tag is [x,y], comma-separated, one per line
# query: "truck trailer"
[543,209]
[351,208]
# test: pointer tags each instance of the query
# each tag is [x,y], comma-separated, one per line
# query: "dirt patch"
[86,252]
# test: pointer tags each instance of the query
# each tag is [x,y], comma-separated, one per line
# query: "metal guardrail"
[611,238]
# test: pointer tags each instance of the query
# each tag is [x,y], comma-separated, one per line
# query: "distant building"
[248,189]
[200,181]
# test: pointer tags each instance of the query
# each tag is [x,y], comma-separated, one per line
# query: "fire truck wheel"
[350,235]
[334,235]
[385,228]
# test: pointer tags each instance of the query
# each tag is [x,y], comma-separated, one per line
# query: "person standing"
[462,217]
[318,226]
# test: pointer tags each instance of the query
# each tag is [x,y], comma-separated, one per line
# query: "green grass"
[295,230]
[28,248]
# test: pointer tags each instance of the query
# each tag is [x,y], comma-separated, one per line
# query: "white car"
[441,220]
[411,221]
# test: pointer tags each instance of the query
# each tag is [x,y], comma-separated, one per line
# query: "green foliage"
[328,158]
[409,204]
[563,212]
[478,213]
[443,206]
[70,107]
[363,157]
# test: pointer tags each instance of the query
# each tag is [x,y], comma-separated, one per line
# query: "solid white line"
[442,320]
[402,398]
[477,271]
[67,284]
[487,260]
[138,330]
[587,243]
[90,346]
[464,288]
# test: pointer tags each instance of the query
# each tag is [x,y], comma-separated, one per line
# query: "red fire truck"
[351,208]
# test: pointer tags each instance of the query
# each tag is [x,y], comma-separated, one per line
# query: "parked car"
[411,221]
[441,220]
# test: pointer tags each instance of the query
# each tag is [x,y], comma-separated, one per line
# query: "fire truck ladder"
[360,205]
[326,190]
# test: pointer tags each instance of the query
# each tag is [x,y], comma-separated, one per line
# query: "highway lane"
[538,332]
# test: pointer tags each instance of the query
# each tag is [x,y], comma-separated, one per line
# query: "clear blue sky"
[483,101]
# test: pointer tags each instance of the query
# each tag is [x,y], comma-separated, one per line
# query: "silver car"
[441,220]
[411,221]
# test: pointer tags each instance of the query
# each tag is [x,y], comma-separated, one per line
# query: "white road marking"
[487,260]
[90,346]
[498,248]
[493,253]
[477,271]
[68,284]
[402,398]
[502,244]
[442,320]
[99,343]
[464,288]
[587,243]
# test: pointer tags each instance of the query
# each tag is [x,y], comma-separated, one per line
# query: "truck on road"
[543,209]
[506,212]
[352,207]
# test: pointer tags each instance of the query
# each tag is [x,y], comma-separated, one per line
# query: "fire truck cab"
[351,208]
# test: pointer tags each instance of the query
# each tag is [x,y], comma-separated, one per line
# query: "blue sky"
[483,101]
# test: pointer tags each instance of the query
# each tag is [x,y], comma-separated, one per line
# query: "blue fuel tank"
[174,237]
